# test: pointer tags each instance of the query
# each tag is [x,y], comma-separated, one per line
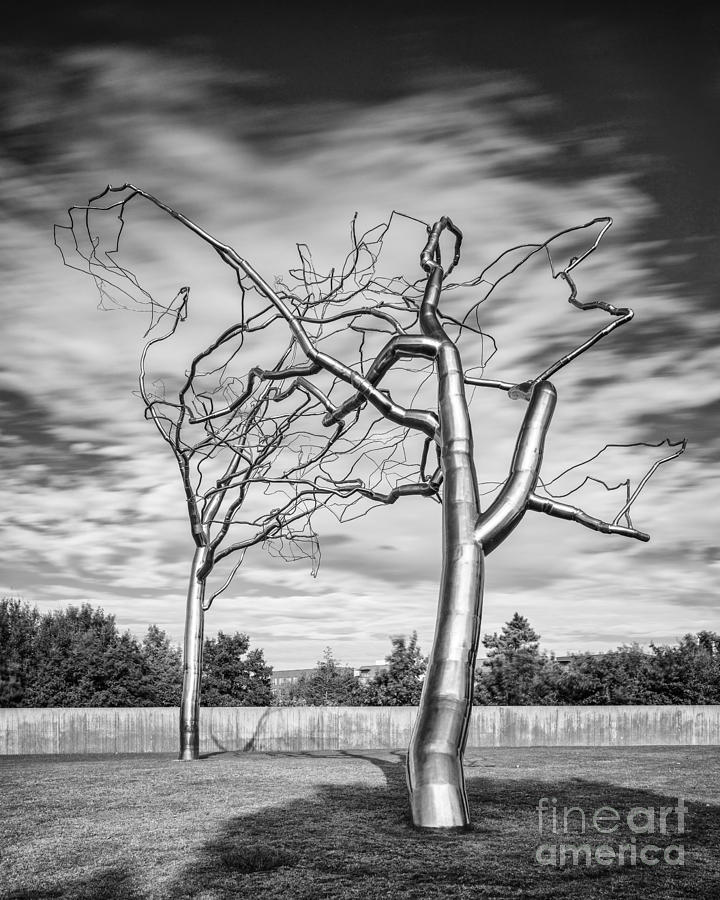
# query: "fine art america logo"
[558,823]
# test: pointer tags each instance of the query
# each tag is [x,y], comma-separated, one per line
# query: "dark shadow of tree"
[357,842]
[249,745]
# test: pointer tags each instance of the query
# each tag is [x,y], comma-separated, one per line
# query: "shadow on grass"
[115,882]
[356,841]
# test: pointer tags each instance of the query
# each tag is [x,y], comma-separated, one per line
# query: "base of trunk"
[437,793]
[439,807]
[189,741]
[188,755]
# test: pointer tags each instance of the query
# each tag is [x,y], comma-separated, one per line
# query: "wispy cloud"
[95,506]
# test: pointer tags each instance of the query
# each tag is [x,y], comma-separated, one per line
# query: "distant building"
[282,680]
[563,661]
[368,672]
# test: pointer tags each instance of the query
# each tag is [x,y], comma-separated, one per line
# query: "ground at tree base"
[335,825]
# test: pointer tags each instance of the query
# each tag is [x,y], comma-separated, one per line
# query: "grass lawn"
[317,825]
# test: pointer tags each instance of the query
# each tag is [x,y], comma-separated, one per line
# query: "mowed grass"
[322,825]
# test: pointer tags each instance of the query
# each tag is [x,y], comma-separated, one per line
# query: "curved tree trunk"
[192,660]
[435,756]
[434,766]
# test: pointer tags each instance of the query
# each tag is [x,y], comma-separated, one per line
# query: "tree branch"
[622,314]
[398,347]
[511,504]
[488,382]
[574,514]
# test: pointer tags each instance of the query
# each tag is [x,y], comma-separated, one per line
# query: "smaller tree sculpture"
[240,433]
[397,324]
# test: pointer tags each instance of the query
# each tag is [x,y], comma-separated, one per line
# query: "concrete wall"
[155,730]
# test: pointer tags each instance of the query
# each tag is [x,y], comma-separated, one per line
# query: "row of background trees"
[78,657]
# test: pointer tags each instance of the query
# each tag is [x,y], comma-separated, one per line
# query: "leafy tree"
[234,675]
[18,622]
[162,669]
[688,672]
[401,683]
[82,660]
[77,657]
[329,685]
[517,673]
[622,676]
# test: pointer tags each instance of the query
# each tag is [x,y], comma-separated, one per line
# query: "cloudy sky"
[269,131]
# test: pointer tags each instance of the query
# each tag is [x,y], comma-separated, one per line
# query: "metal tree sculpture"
[240,438]
[407,323]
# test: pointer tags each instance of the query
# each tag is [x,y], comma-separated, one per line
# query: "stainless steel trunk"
[192,660]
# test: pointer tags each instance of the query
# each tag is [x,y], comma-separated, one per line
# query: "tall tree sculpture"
[406,323]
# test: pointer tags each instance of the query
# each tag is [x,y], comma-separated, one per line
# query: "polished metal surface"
[192,659]
[511,504]
[434,763]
